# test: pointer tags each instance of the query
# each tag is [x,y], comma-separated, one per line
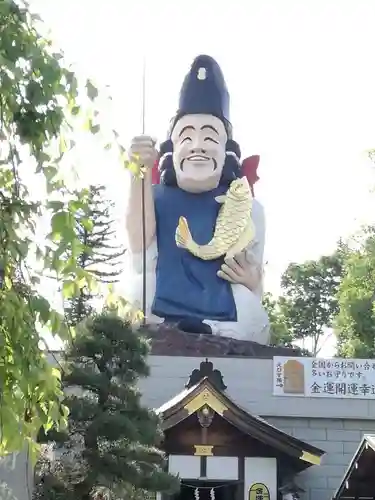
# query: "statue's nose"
[198,151]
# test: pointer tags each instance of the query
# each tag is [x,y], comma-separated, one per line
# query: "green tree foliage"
[280,335]
[42,104]
[100,255]
[111,446]
[355,323]
[308,304]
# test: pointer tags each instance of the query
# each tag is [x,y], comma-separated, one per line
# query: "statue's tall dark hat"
[204,91]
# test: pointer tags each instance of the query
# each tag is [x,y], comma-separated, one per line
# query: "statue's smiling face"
[198,152]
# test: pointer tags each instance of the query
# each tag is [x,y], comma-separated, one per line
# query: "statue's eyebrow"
[186,128]
[210,127]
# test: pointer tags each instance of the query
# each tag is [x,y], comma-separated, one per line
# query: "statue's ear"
[165,151]
[165,147]
[233,147]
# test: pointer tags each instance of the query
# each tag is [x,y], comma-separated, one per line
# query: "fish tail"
[183,234]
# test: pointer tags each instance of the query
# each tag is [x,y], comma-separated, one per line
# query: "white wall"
[261,470]
[222,468]
[16,477]
[188,467]
[249,382]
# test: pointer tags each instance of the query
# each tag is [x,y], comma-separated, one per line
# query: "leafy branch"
[42,106]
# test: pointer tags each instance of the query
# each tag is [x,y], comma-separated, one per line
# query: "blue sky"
[301,79]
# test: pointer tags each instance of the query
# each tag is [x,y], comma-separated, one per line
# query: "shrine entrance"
[208,490]
[222,452]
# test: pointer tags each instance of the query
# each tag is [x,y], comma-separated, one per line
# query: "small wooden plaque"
[203,450]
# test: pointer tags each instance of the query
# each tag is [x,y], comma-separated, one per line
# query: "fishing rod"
[143,202]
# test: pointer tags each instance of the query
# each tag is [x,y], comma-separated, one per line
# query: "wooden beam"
[240,494]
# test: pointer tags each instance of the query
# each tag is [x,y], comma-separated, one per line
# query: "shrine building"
[223,452]
[242,422]
[231,431]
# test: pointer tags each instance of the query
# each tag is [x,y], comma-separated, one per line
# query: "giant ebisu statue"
[204,230]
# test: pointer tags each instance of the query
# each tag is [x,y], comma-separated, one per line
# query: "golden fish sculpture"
[234,229]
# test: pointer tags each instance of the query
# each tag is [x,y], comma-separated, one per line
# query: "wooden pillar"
[164,496]
[203,471]
[240,495]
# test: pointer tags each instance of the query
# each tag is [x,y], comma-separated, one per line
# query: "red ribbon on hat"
[248,169]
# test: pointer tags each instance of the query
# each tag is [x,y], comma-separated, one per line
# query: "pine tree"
[100,255]
[112,444]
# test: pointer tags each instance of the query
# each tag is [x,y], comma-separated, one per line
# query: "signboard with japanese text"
[259,491]
[324,378]
[149,495]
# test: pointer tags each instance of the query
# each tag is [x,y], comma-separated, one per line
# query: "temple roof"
[359,478]
[206,393]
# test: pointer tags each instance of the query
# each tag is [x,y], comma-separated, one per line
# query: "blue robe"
[186,286]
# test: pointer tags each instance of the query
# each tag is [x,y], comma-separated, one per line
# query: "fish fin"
[221,198]
[183,235]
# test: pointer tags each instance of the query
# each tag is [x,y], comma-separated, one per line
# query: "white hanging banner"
[324,378]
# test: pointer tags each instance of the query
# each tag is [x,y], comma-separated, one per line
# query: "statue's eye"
[210,139]
[185,139]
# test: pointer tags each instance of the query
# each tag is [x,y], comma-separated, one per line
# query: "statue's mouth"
[197,159]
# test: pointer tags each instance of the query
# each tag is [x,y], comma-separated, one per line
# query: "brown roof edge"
[266,432]
[266,428]
[368,439]
[168,340]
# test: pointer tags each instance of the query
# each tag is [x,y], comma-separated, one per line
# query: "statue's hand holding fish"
[244,270]
[234,228]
